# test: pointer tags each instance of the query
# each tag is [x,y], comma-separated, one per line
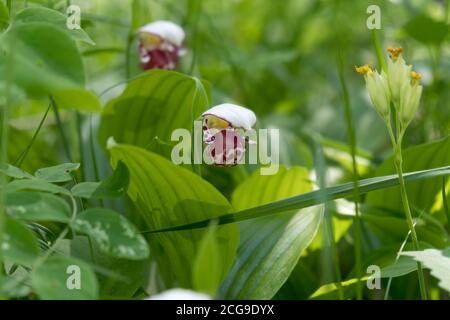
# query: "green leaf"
[59,173]
[167,195]
[391,227]
[329,291]
[117,278]
[438,261]
[19,243]
[56,18]
[401,267]
[152,107]
[113,233]
[36,185]
[64,278]
[36,206]
[14,172]
[427,30]
[44,58]
[4,15]
[78,99]
[270,248]
[310,199]
[140,14]
[114,186]
[13,288]
[424,196]
[207,271]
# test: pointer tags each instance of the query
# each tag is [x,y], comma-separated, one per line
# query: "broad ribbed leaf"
[270,247]
[152,106]
[166,195]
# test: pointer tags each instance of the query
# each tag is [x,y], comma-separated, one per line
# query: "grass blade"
[313,198]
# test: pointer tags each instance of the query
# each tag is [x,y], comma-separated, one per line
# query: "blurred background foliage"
[278,58]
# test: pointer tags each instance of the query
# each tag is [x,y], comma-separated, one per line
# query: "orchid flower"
[160,45]
[223,127]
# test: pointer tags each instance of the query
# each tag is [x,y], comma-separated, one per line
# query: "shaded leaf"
[19,244]
[59,173]
[114,186]
[36,185]
[153,106]
[36,206]
[40,68]
[64,278]
[113,234]
[14,172]
[427,30]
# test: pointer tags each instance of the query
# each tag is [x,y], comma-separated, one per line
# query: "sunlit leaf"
[270,248]
[438,261]
[208,270]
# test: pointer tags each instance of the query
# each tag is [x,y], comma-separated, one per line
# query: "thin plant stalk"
[21,158]
[398,165]
[61,129]
[378,50]
[356,195]
[330,255]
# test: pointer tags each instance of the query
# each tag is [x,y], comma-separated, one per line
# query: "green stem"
[21,158]
[128,55]
[378,50]
[356,195]
[409,219]
[61,129]
[94,155]
[330,257]
[80,145]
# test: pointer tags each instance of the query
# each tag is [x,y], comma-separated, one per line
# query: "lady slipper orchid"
[160,45]
[223,127]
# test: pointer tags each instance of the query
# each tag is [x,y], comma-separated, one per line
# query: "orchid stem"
[398,165]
